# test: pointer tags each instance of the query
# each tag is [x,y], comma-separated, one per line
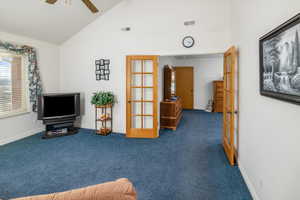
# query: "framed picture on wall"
[280,62]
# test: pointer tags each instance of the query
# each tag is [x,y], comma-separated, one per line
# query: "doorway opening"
[160,87]
[194,78]
[206,83]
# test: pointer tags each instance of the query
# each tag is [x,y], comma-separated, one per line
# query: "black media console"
[59,128]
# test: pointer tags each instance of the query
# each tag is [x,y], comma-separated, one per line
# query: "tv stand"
[60,129]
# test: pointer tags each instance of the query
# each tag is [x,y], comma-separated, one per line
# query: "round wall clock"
[188,42]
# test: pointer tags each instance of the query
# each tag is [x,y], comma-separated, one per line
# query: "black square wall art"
[280,62]
[102,69]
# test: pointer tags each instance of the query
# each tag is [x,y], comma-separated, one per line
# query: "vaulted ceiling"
[52,23]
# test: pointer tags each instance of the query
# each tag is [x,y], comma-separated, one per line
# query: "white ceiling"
[52,23]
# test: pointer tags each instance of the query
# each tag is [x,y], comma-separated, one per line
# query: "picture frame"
[102,69]
[279,61]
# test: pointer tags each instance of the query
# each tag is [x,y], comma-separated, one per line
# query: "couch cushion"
[121,189]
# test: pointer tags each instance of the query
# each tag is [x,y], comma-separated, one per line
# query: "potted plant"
[104,102]
[103,98]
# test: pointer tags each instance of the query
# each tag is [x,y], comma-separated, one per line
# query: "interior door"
[229,107]
[185,86]
[141,97]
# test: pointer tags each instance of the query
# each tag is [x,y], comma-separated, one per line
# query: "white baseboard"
[20,136]
[248,182]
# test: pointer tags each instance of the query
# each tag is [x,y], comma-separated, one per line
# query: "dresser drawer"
[218,96]
[218,106]
[178,108]
[219,91]
[219,99]
[170,113]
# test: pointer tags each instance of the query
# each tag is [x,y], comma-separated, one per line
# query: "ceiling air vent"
[126,29]
[190,23]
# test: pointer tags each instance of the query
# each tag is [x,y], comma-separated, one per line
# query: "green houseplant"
[103,98]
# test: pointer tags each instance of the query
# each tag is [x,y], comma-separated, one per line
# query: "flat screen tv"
[58,106]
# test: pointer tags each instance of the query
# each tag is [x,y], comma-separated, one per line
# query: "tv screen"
[55,106]
[58,106]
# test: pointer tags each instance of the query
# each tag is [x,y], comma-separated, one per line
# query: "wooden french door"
[141,97]
[185,86]
[229,107]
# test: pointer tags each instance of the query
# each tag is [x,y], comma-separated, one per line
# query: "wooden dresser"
[170,113]
[218,87]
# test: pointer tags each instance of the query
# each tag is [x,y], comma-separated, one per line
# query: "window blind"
[12,85]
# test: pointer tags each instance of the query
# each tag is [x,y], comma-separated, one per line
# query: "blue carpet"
[188,164]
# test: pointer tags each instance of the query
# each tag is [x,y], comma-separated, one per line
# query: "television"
[55,107]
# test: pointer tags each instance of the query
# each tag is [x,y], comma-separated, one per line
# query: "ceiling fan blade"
[91,6]
[51,1]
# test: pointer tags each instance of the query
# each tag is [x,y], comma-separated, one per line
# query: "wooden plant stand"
[103,119]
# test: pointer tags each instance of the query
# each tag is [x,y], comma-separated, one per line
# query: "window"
[13,85]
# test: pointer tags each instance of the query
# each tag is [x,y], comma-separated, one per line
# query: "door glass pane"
[228,63]
[228,100]
[235,133]
[148,108]
[148,122]
[136,66]
[136,108]
[136,122]
[148,66]
[148,80]
[148,94]
[228,126]
[136,80]
[136,94]
[228,82]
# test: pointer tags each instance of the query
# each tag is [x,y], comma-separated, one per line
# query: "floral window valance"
[35,85]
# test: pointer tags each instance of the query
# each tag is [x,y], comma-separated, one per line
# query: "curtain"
[35,84]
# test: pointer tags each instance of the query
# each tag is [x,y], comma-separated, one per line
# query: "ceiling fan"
[88,4]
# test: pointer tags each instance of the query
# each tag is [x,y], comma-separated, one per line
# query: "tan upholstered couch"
[121,189]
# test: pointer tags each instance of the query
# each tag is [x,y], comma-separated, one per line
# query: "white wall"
[157,28]
[269,128]
[16,127]
[207,68]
